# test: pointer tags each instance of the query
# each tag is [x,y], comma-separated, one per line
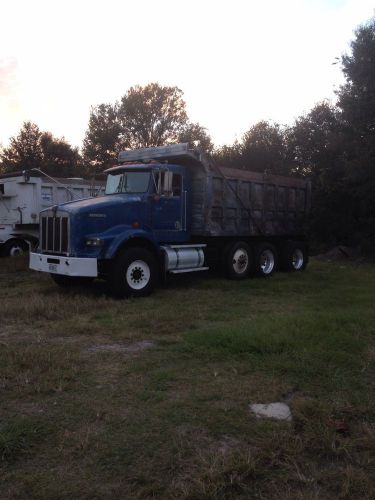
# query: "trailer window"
[47,195]
[1,188]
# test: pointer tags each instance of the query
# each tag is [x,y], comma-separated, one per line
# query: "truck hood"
[100,204]
[96,216]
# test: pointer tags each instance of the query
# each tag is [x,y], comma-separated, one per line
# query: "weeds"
[80,402]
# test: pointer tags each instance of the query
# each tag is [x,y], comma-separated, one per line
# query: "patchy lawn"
[149,398]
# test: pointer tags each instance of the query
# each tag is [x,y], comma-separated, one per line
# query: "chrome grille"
[54,234]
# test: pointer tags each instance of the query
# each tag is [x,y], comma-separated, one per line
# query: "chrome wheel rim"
[240,261]
[267,261]
[138,275]
[297,259]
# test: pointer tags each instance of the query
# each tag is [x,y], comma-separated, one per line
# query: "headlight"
[94,242]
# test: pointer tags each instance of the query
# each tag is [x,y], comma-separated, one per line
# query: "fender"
[128,235]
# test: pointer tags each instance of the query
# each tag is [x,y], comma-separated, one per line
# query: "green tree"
[197,137]
[314,142]
[152,115]
[32,148]
[24,150]
[315,148]
[229,155]
[262,148]
[103,139]
[356,100]
[59,158]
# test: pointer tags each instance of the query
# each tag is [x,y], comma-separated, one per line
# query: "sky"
[237,61]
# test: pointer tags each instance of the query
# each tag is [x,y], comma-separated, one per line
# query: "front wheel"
[13,248]
[134,273]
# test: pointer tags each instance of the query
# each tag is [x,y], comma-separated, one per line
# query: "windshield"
[127,182]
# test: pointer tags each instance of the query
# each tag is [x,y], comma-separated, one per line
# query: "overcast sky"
[237,61]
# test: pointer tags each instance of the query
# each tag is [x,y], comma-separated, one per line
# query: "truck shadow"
[100,288]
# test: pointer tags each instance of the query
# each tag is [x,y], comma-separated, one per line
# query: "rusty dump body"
[229,202]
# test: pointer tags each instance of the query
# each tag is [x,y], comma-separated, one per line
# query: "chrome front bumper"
[68,266]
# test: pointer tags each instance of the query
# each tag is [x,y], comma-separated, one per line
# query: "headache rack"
[173,153]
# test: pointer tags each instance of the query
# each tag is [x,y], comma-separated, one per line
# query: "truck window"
[168,183]
[176,185]
[127,182]
[1,188]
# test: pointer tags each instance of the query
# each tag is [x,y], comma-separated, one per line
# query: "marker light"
[94,242]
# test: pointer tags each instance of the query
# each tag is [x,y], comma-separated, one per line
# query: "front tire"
[14,248]
[134,273]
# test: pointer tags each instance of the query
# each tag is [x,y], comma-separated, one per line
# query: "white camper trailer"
[24,195]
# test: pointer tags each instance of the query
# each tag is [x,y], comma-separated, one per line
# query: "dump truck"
[23,195]
[173,210]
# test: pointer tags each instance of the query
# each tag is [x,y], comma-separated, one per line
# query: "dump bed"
[229,202]
[232,202]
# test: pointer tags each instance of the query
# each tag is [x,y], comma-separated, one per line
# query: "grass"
[173,420]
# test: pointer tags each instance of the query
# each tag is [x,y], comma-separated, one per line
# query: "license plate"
[53,268]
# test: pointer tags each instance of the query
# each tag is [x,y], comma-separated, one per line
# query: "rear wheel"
[265,259]
[134,273]
[294,256]
[237,260]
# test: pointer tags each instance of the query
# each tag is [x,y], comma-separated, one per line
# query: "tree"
[32,148]
[24,150]
[262,148]
[357,96]
[356,100]
[315,148]
[152,115]
[314,142]
[197,137]
[229,155]
[59,158]
[103,141]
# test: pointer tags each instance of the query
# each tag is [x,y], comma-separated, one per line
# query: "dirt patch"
[339,253]
[126,348]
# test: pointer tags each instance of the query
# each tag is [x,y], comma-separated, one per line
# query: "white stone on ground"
[280,411]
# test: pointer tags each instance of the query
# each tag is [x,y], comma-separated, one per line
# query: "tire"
[71,281]
[12,248]
[134,273]
[237,260]
[265,260]
[294,256]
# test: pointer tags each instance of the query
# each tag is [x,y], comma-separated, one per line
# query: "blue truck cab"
[171,209]
[138,229]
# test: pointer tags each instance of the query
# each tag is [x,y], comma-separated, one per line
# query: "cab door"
[169,207]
